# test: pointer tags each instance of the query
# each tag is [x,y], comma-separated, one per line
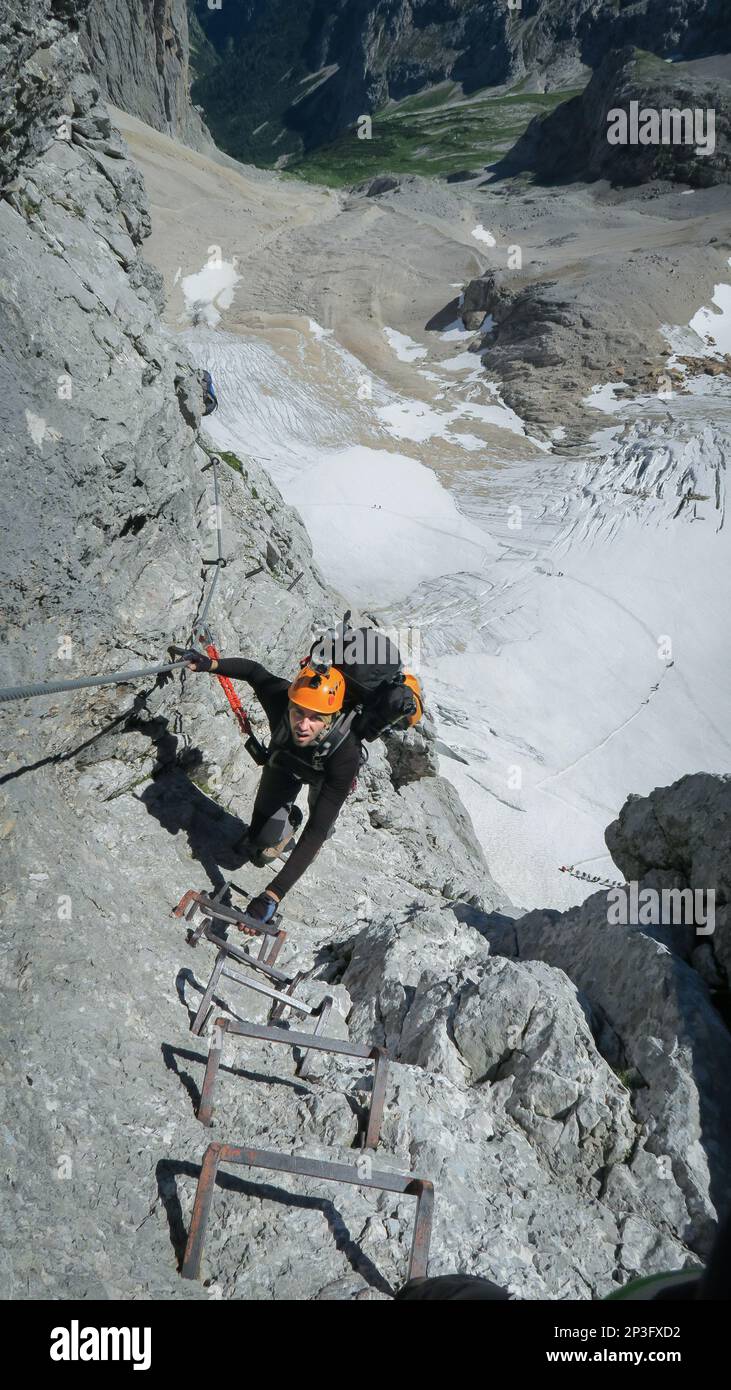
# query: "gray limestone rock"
[676,1047]
[564,1085]
[572,141]
[138,51]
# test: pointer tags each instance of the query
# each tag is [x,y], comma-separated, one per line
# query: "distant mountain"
[279,77]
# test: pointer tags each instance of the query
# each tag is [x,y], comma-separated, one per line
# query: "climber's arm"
[267,687]
[338,782]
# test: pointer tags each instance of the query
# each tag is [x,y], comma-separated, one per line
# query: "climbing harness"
[282,756]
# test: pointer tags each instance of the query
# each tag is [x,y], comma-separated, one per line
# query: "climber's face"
[306,726]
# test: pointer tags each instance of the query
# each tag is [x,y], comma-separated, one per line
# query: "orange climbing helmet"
[414,685]
[320,690]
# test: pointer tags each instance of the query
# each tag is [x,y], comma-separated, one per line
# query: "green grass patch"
[434,133]
[231,460]
[630,1078]
[646,64]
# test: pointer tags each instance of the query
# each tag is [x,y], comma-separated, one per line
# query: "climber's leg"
[313,792]
[274,818]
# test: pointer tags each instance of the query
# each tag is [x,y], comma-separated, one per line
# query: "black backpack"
[375,689]
[377,698]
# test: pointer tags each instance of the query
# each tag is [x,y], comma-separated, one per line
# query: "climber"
[210,399]
[311,742]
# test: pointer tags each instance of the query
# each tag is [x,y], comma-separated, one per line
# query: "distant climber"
[210,399]
[317,727]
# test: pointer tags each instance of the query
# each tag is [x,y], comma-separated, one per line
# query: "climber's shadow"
[168,1171]
[178,804]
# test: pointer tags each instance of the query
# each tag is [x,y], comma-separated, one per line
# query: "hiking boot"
[269,852]
[261,855]
[250,850]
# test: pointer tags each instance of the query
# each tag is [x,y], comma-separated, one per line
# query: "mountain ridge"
[314,68]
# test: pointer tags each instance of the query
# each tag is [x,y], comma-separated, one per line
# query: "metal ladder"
[203,912]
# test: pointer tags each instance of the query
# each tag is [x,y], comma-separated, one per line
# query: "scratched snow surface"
[591,660]
[571,609]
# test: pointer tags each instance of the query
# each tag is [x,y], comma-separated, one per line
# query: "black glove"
[197,660]
[262,908]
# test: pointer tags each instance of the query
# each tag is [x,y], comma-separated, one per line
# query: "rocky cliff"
[573,141]
[138,52]
[564,1084]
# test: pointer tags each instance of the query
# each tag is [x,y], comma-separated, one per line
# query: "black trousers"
[274,815]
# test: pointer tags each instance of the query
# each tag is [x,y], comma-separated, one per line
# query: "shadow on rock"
[171,1054]
[168,1171]
[179,805]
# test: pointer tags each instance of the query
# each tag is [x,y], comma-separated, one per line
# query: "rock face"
[565,1085]
[550,344]
[652,1012]
[679,838]
[99,449]
[486,295]
[550,341]
[138,52]
[37,68]
[572,142]
[319,68]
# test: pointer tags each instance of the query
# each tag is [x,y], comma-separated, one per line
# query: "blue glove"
[262,908]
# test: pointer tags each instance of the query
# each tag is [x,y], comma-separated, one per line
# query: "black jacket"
[337,777]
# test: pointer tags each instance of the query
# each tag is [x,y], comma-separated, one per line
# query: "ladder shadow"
[185,977]
[168,1171]
[170,1053]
